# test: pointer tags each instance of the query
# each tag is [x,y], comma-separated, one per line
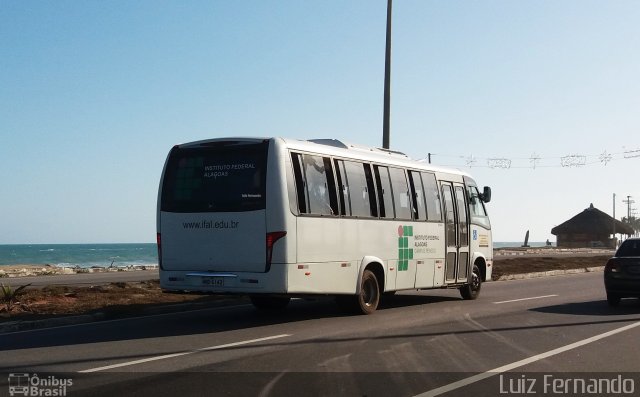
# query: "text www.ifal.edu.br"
[205,224]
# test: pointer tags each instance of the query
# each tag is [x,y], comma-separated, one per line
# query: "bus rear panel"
[212,224]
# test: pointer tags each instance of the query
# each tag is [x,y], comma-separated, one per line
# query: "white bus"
[273,218]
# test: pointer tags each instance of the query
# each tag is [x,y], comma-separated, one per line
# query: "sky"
[538,99]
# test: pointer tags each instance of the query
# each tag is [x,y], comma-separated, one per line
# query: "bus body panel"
[193,242]
[428,251]
[322,278]
[482,248]
[280,218]
[334,240]
[325,240]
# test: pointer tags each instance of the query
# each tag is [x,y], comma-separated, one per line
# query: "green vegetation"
[9,296]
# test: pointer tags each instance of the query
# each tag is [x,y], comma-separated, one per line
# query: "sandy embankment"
[550,252]
[49,270]
[515,259]
[539,262]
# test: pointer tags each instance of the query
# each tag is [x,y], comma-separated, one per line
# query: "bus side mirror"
[486,194]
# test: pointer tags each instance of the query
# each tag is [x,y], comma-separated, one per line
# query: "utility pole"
[628,201]
[387,82]
[614,221]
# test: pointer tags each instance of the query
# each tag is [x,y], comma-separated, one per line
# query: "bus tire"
[471,291]
[270,302]
[369,297]
[366,302]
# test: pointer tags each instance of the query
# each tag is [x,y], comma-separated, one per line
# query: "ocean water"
[87,255]
[83,255]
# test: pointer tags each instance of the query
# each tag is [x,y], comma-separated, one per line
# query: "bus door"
[457,233]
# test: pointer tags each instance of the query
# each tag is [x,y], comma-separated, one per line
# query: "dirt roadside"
[504,266]
[121,299]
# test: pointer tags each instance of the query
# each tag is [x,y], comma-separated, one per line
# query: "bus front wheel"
[472,290]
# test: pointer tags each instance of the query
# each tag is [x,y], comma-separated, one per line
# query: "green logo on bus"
[404,252]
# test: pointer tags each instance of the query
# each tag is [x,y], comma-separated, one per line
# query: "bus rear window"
[223,177]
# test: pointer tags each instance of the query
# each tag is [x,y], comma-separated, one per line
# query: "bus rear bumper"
[222,282]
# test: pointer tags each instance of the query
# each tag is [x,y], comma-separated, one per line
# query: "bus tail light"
[159,240]
[271,240]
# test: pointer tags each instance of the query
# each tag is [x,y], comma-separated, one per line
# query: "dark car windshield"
[629,248]
[219,177]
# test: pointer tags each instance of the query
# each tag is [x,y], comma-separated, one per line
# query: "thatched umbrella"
[592,220]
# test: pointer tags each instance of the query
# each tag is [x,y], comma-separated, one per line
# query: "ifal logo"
[21,384]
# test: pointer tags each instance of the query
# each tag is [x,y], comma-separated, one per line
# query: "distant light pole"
[387,81]
[615,241]
[628,201]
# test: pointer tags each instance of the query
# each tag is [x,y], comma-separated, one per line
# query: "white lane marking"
[146,360]
[525,299]
[521,363]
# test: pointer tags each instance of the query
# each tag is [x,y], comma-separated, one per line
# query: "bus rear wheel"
[369,295]
[472,290]
[267,302]
[365,302]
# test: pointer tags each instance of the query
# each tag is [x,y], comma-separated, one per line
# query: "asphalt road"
[538,335]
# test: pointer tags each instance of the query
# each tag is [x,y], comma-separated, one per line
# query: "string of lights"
[534,161]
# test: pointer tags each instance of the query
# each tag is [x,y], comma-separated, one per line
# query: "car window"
[629,248]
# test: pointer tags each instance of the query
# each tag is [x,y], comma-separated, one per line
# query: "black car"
[622,272]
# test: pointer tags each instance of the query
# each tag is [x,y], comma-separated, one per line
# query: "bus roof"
[347,150]
[338,148]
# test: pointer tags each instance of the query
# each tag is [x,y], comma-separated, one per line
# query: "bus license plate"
[213,281]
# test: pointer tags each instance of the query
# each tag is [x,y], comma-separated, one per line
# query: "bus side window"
[300,188]
[477,210]
[359,189]
[417,194]
[331,186]
[432,195]
[385,195]
[400,193]
[463,228]
[320,185]
[315,184]
[450,217]
[476,207]
[373,205]
[342,188]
